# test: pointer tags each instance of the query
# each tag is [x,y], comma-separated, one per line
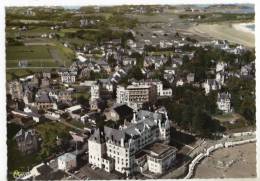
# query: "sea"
[251,27]
[71,7]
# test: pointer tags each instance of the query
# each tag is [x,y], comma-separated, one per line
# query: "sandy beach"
[243,27]
[236,33]
[235,162]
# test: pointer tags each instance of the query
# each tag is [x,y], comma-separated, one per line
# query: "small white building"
[95,92]
[73,108]
[190,77]
[160,157]
[179,83]
[131,43]
[169,70]
[220,66]
[67,161]
[53,115]
[220,78]
[211,84]
[224,102]
[80,57]
[67,77]
[129,61]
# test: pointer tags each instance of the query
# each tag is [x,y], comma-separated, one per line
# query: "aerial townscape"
[130,92]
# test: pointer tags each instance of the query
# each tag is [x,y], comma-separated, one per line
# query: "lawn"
[51,130]
[227,117]
[39,55]
[27,52]
[66,54]
[67,30]
[232,121]
[86,95]
[14,74]
[76,123]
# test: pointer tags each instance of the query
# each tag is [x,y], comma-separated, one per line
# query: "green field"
[39,55]
[27,52]
[14,73]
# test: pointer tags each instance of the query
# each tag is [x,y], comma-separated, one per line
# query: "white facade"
[179,83]
[136,95]
[67,161]
[122,95]
[224,102]
[95,92]
[167,92]
[220,66]
[211,84]
[129,61]
[52,115]
[96,151]
[67,78]
[161,158]
[159,87]
[220,78]
[118,147]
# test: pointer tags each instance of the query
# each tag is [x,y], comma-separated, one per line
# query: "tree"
[82,100]
[111,61]
[139,59]
[197,121]
[187,115]
[136,73]
[185,59]
[247,57]
[169,62]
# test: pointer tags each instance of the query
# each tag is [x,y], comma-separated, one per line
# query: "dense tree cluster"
[192,110]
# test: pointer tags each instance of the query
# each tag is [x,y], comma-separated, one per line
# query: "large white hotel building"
[137,146]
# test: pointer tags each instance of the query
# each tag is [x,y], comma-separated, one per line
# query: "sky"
[118,2]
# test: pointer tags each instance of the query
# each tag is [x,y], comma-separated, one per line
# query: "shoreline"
[225,31]
[227,163]
[243,27]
